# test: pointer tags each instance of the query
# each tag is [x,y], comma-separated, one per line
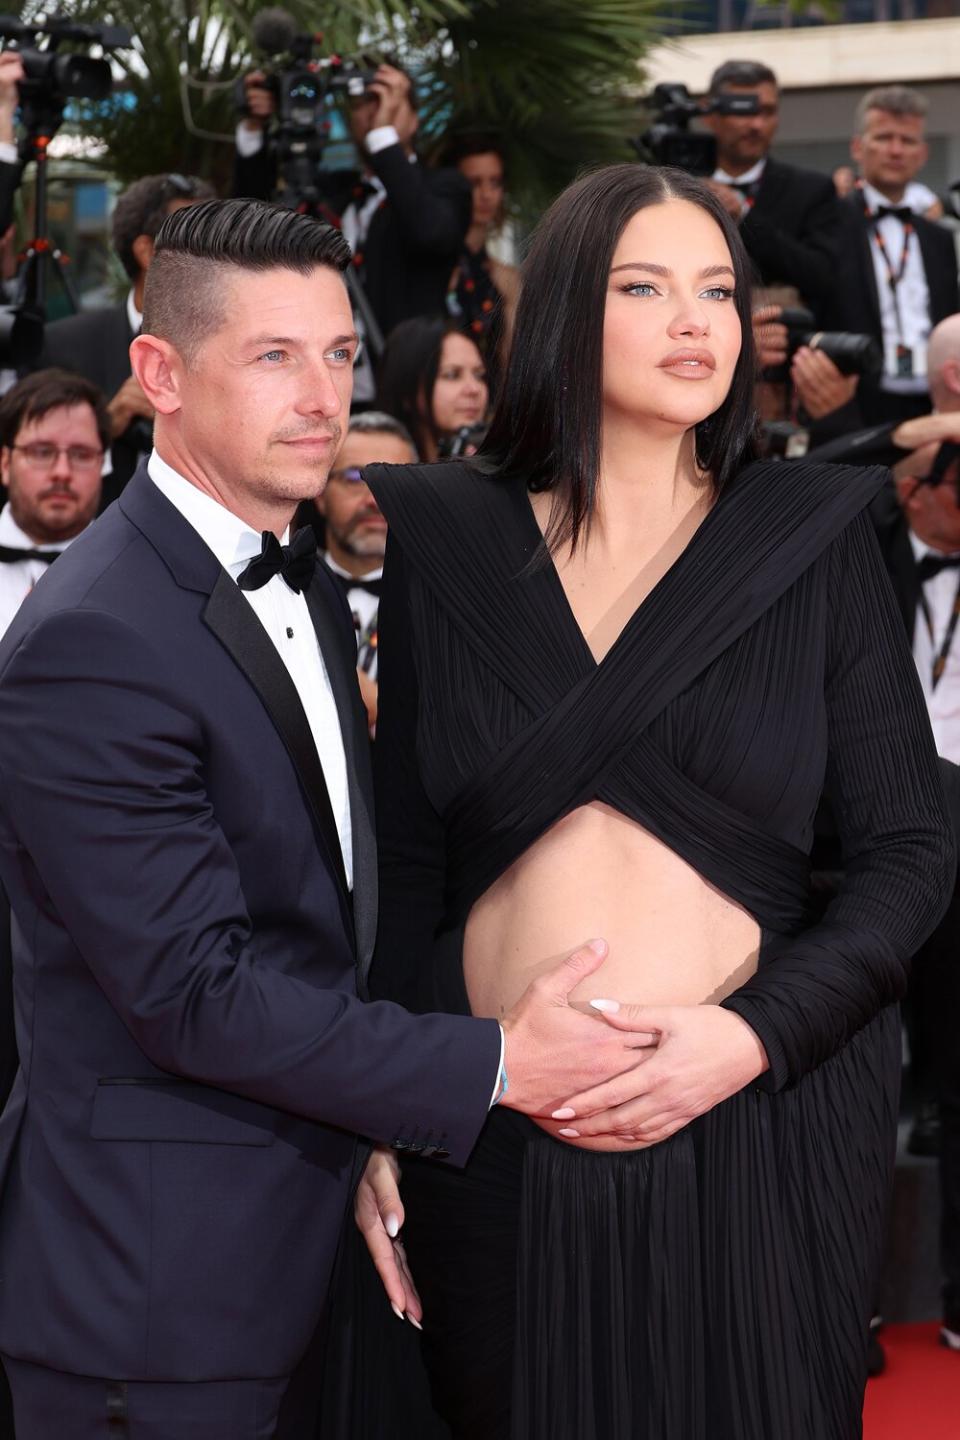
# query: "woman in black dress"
[620,662]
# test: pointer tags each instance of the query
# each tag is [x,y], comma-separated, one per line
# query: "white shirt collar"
[230,538]
[16,539]
[874,199]
[134,316]
[921,548]
[749,177]
[331,564]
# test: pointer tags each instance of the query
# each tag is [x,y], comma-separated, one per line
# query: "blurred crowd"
[857,315]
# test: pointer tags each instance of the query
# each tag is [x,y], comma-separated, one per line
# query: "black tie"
[931,565]
[348,583]
[902,212]
[295,562]
[10,556]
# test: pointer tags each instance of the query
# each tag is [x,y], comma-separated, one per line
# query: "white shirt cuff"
[8,153]
[249,142]
[499,1088]
[380,138]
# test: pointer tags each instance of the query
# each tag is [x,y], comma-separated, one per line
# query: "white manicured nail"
[565,1114]
[397,1311]
[392,1226]
[609,1007]
[569,1134]
[415,1323]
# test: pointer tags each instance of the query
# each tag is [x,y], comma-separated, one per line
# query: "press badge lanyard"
[940,659]
[894,278]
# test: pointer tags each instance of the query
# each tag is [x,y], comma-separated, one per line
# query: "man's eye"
[273,355]
[340,356]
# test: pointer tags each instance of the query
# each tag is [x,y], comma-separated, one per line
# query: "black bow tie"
[10,556]
[348,583]
[748,188]
[931,565]
[902,212]
[295,562]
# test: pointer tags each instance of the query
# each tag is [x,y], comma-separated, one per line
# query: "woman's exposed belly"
[674,939]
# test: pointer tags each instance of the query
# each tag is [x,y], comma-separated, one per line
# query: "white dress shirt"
[285,617]
[943,703]
[749,177]
[18,577]
[913,300]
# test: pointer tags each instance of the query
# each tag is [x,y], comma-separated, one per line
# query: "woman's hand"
[378,1211]
[703,1055]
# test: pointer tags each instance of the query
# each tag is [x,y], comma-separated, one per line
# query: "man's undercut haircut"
[45,390]
[378,422]
[547,424]
[198,247]
[897,100]
[142,209]
[741,72]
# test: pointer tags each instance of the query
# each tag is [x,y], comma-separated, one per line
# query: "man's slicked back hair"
[198,247]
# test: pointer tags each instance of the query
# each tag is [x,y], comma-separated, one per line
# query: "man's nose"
[61,467]
[319,393]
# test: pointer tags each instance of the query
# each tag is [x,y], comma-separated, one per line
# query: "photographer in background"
[788,217]
[404,222]
[896,273]
[96,343]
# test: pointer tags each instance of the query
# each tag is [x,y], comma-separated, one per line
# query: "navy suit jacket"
[178,1151]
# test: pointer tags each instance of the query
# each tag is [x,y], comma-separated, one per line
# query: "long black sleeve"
[804,257]
[432,208]
[885,788]
[410,833]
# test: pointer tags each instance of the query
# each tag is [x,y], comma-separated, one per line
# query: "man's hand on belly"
[703,1055]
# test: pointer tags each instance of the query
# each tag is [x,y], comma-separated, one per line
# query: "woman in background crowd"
[483,291]
[433,379]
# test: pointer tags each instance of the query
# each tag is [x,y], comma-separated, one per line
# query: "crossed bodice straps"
[473,539]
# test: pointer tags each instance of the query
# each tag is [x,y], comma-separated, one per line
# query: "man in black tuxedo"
[186,841]
[788,217]
[96,343]
[918,525]
[405,222]
[896,272]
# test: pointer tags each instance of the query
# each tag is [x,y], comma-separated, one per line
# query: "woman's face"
[460,393]
[485,173]
[671,334]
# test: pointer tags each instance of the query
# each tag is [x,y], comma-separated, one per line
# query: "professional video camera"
[852,354]
[669,140]
[302,84]
[51,79]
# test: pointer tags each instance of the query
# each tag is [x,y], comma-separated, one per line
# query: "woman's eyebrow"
[705,273]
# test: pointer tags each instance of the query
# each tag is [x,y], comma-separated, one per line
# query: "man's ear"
[950,375]
[5,466]
[142,249]
[158,369]
[856,148]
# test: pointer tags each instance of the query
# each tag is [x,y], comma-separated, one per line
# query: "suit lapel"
[867,273]
[940,279]
[340,662]
[230,618]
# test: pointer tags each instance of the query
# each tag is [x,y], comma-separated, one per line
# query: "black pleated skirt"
[717,1286]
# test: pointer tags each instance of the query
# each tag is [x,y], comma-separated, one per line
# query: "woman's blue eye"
[637,286]
[723,292]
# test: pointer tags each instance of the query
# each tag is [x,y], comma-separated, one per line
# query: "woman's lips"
[689,364]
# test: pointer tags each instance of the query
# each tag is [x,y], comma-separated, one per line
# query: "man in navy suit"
[186,840]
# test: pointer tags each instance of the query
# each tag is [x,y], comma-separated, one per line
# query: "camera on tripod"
[669,139]
[51,78]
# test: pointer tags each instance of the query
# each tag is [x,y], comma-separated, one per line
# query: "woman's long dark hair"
[408,373]
[546,427]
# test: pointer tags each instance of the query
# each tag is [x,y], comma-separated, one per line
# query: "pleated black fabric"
[768,665]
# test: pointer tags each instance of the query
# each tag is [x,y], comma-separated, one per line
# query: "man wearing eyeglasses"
[54,430]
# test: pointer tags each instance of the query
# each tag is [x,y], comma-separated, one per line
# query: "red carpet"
[918,1395]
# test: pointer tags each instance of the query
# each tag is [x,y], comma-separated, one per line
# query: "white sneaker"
[950,1338]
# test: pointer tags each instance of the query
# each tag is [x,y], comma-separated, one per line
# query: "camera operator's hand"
[260,101]
[820,386]
[390,88]
[729,197]
[11,73]
[129,403]
[769,336]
